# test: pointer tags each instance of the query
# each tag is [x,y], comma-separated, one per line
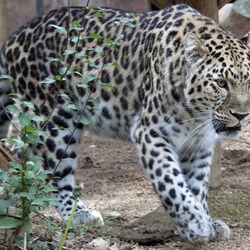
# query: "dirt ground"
[114,184]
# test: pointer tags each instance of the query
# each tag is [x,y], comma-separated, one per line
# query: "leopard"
[180,84]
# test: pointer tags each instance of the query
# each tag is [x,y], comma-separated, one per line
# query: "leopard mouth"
[222,128]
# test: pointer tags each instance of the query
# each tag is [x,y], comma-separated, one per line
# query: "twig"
[25,241]
[68,225]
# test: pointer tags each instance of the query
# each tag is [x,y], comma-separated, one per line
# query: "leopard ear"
[246,39]
[194,47]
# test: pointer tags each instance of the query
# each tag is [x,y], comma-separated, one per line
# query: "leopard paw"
[88,218]
[197,232]
[222,231]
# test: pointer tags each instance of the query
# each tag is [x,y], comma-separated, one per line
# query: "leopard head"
[218,80]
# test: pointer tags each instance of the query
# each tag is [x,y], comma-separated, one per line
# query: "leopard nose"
[238,115]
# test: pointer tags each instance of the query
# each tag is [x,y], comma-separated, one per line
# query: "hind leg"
[5,117]
[60,155]
[5,127]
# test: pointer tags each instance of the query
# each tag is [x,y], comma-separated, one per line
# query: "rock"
[97,244]
[236,22]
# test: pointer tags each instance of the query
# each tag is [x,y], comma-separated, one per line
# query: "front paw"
[88,217]
[197,231]
[222,231]
[202,231]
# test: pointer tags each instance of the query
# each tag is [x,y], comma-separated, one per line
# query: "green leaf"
[80,56]
[30,163]
[59,29]
[28,227]
[77,73]
[109,40]
[130,24]
[24,120]
[116,65]
[95,36]
[97,14]
[97,50]
[68,52]
[66,160]
[9,222]
[120,36]
[29,105]
[64,70]
[72,235]
[55,59]
[92,64]
[13,109]
[66,96]
[4,204]
[42,133]
[15,164]
[130,14]
[34,139]
[16,100]
[25,194]
[15,95]
[108,85]
[76,39]
[72,106]
[59,78]
[111,43]
[108,64]
[38,202]
[75,25]
[6,77]
[93,104]
[84,120]
[16,142]
[83,85]
[48,80]
[87,16]
[32,190]
[30,129]
[123,19]
[90,77]
[37,118]
[117,23]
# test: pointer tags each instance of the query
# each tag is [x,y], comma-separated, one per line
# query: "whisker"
[193,119]
[198,145]
[194,132]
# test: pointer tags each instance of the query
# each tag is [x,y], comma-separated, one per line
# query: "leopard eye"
[222,84]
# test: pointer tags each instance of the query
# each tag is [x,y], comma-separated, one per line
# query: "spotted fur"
[183,82]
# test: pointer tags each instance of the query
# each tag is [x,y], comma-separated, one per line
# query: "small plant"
[24,185]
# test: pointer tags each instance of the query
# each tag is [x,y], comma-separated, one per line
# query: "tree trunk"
[3,23]
[39,7]
[5,157]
